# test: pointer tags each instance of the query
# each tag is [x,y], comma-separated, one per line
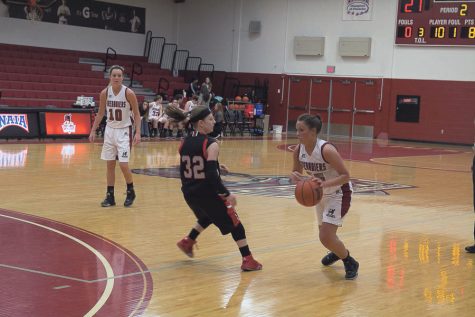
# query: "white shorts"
[333,208]
[117,144]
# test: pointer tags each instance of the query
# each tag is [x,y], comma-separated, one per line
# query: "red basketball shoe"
[249,264]
[186,245]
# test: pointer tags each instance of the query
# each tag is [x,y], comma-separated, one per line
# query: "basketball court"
[64,255]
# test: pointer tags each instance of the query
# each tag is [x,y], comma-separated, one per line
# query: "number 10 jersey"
[118,110]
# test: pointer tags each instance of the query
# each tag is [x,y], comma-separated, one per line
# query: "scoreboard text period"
[436,22]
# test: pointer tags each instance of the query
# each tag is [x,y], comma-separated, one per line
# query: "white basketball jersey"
[316,166]
[118,110]
[154,110]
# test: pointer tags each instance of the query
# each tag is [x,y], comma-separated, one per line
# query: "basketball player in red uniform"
[202,188]
[324,164]
[120,105]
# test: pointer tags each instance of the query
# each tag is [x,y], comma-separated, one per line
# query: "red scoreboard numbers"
[436,22]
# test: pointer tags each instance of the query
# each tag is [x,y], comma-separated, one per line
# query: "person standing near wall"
[120,105]
[471,248]
[205,92]
[218,114]
[144,109]
[194,88]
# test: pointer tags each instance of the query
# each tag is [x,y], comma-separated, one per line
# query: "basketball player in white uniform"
[155,114]
[120,105]
[325,166]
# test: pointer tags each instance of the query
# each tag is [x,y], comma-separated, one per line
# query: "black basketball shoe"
[129,200]
[109,201]
[329,259]
[351,268]
[470,249]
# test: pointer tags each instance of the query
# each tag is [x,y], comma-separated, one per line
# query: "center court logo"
[68,125]
[16,120]
[273,186]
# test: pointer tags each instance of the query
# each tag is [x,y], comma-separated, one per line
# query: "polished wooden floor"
[410,243]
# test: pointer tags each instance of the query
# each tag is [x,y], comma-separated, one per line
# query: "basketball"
[307,193]
[245,99]
[237,98]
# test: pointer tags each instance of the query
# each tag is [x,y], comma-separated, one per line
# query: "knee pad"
[238,232]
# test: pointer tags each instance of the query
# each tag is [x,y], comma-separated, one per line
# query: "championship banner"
[87,13]
[357,10]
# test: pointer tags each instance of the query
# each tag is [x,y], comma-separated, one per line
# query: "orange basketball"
[237,98]
[307,193]
[245,99]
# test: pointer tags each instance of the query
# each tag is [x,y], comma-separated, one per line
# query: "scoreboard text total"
[436,22]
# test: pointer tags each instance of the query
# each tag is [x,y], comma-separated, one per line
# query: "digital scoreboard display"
[436,22]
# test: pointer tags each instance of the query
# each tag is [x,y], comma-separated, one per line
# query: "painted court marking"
[108,268]
[72,278]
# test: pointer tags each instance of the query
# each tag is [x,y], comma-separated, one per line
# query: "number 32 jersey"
[193,159]
[118,110]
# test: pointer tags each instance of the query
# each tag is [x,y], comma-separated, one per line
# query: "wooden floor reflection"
[409,239]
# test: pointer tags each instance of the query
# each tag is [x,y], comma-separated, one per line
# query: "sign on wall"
[67,123]
[357,10]
[18,124]
[87,13]
[436,22]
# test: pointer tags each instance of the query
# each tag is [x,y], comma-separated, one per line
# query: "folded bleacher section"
[45,77]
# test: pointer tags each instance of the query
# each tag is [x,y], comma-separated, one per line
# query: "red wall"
[445,105]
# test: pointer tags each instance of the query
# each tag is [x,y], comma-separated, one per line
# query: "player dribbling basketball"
[322,161]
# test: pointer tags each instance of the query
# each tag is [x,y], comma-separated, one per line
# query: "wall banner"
[87,13]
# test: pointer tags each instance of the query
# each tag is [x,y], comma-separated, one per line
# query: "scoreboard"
[436,22]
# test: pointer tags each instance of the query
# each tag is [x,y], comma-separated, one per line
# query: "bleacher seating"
[37,77]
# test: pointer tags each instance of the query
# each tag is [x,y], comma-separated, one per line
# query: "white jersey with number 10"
[118,110]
